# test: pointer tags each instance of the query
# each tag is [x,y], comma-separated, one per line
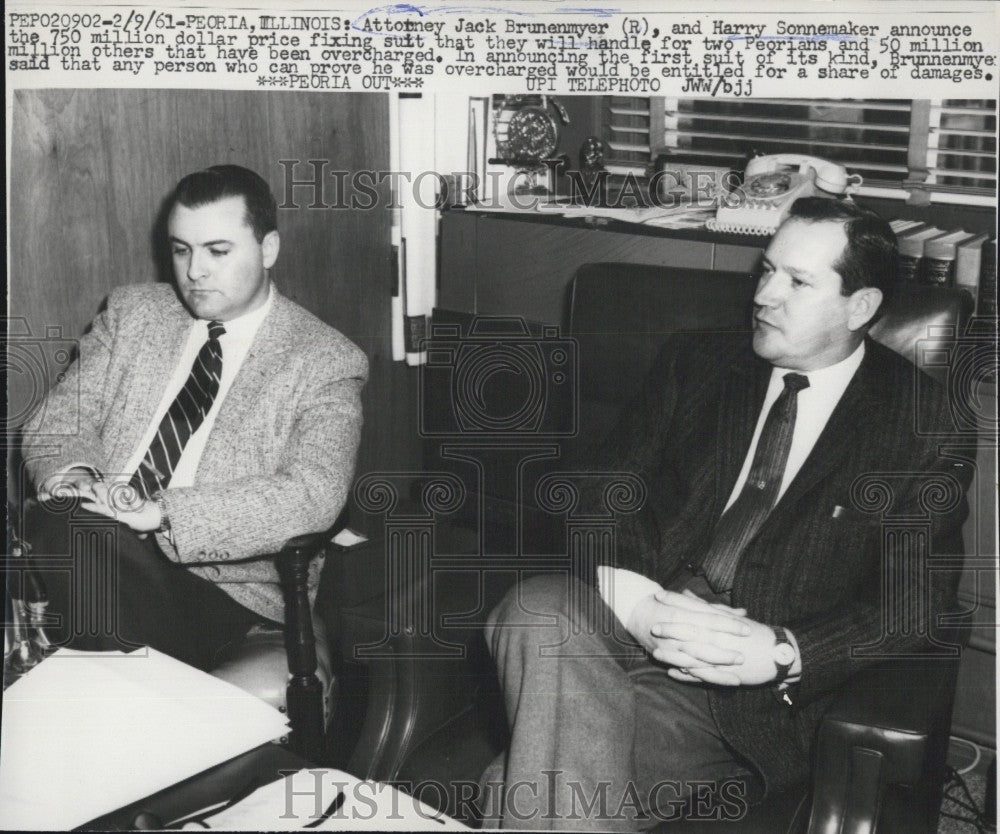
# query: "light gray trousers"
[601,737]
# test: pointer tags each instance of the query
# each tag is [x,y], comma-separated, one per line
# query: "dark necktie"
[740,523]
[185,415]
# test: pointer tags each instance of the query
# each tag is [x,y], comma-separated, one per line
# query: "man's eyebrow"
[801,274]
[797,272]
[219,242]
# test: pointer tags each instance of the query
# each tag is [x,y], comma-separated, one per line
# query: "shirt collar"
[837,375]
[245,326]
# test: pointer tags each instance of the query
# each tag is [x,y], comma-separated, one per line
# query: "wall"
[90,168]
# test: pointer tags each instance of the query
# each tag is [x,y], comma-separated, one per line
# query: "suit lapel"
[265,360]
[743,394]
[160,350]
[850,425]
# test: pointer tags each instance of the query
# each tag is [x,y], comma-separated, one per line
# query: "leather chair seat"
[258,664]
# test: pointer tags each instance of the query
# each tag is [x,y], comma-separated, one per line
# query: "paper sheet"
[85,733]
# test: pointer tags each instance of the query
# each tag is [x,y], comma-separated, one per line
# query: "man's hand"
[122,503]
[665,611]
[77,482]
[703,641]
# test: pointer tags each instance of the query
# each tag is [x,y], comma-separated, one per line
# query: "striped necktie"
[185,415]
[740,523]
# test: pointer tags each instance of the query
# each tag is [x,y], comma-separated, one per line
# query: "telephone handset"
[771,184]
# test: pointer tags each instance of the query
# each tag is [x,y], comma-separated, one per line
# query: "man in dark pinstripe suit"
[711,647]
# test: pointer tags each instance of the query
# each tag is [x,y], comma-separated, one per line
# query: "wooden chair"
[290,668]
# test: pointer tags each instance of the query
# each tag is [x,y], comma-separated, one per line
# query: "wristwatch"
[783,653]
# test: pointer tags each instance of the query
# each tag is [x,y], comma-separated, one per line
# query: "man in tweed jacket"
[654,681]
[273,459]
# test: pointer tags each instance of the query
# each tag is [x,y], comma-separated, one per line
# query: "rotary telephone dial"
[526,134]
[771,184]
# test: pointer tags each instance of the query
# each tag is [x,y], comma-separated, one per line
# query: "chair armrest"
[304,693]
[311,542]
[293,568]
[416,682]
[888,727]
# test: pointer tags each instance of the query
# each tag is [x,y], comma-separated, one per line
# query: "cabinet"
[520,265]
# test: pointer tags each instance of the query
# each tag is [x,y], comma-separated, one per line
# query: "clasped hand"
[703,641]
[117,500]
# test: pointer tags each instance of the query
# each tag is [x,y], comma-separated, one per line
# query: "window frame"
[917,187]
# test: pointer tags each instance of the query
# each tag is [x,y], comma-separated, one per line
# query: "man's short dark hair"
[871,256]
[221,181]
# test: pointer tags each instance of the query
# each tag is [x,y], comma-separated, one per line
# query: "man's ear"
[864,304]
[269,248]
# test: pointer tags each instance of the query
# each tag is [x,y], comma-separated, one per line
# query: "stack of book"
[986,305]
[957,258]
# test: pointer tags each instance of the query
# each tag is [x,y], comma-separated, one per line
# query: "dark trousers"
[601,737]
[110,589]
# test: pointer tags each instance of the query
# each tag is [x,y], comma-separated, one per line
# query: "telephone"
[771,184]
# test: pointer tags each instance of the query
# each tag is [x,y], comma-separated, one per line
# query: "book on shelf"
[986,305]
[911,250]
[900,226]
[968,263]
[938,264]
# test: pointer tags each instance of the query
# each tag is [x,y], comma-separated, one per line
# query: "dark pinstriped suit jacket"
[815,566]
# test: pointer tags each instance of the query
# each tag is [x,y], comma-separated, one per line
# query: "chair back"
[621,314]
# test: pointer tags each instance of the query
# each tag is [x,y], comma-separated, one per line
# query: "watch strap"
[164,516]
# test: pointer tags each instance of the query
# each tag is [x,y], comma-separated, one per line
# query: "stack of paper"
[85,733]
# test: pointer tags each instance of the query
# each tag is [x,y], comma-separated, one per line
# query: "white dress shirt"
[235,342]
[622,589]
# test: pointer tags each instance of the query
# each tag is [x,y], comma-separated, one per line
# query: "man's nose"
[197,267]
[768,292]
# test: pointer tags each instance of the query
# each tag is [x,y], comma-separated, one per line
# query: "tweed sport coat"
[280,457]
[815,566]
